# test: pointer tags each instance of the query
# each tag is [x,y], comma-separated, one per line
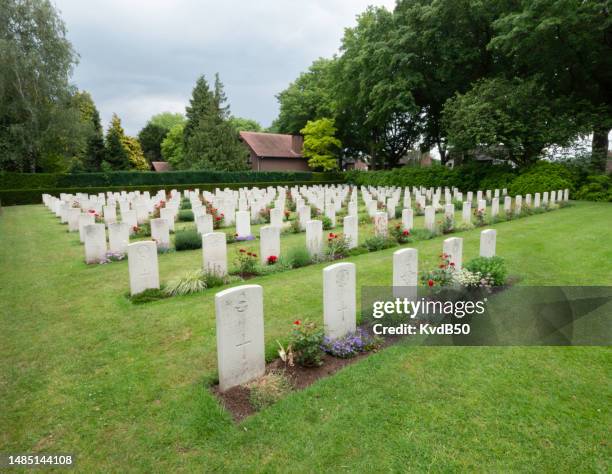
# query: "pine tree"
[116,154]
[95,151]
[210,140]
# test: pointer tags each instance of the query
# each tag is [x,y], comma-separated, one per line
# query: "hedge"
[11,197]
[150,178]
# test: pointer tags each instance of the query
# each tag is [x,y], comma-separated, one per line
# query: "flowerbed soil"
[237,399]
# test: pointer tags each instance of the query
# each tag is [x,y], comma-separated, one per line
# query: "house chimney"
[296,144]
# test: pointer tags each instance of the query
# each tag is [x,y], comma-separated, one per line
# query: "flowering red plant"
[272,259]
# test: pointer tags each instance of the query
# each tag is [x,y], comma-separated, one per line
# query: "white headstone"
[380,224]
[339,300]
[85,219]
[466,212]
[269,242]
[351,230]
[214,253]
[95,243]
[143,266]
[204,224]
[314,238]
[407,219]
[168,214]
[240,335]
[405,273]
[160,233]
[430,218]
[276,217]
[73,219]
[453,247]
[494,206]
[118,237]
[488,238]
[129,217]
[243,224]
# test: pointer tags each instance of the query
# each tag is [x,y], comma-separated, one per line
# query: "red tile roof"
[161,166]
[274,145]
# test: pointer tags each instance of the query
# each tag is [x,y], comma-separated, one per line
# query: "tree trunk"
[599,146]
[443,153]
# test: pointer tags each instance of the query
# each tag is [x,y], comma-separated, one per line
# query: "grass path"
[123,386]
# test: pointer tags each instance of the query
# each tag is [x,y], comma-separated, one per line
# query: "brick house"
[275,151]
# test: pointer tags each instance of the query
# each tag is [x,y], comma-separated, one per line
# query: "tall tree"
[167,119]
[150,138]
[321,146]
[116,154]
[309,97]
[510,119]
[210,140]
[37,60]
[567,46]
[95,151]
[375,111]
[172,146]
[443,45]
[245,125]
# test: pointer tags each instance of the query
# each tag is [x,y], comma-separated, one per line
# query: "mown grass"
[123,386]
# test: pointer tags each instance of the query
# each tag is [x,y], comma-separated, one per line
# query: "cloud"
[138,57]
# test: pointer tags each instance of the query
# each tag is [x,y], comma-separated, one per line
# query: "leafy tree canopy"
[320,144]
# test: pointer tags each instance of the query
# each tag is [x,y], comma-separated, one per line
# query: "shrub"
[490,267]
[401,235]
[264,214]
[152,294]
[299,257]
[378,242]
[541,177]
[597,188]
[192,282]
[306,340]
[295,226]
[187,239]
[327,223]
[447,225]
[185,204]
[142,230]
[440,276]
[422,234]
[268,389]
[337,246]
[185,215]
[351,344]
[246,262]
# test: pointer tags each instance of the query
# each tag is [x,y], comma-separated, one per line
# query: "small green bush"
[187,239]
[541,177]
[299,257]
[190,283]
[186,215]
[306,340]
[597,188]
[376,243]
[185,204]
[327,223]
[493,267]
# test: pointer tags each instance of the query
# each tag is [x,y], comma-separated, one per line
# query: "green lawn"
[124,386]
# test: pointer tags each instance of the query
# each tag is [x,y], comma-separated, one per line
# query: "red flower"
[249,254]
[331,236]
[242,250]
[254,255]
[217,218]
[405,233]
[452,264]
[441,265]
[272,259]
[297,322]
[430,282]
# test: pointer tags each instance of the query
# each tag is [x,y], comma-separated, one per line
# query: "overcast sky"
[142,57]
